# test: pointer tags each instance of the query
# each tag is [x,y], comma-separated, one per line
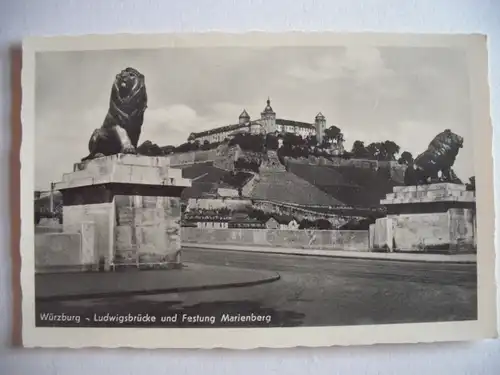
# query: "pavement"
[311,291]
[192,277]
[415,257]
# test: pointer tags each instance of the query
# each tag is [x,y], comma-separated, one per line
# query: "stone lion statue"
[439,157]
[121,128]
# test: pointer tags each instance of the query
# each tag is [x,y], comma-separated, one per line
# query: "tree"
[272,142]
[333,133]
[382,150]
[306,224]
[359,150]
[390,149]
[292,140]
[471,185]
[346,155]
[168,149]
[185,147]
[150,149]
[374,151]
[311,141]
[406,158]
[245,164]
[248,142]
[259,215]
[323,224]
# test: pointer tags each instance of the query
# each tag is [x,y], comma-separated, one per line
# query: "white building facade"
[268,123]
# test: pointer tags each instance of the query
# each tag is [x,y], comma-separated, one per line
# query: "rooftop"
[268,108]
[245,114]
[281,121]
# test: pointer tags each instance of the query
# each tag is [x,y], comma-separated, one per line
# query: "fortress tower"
[244,117]
[320,125]
[268,117]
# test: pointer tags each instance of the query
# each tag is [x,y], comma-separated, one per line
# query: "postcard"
[250,190]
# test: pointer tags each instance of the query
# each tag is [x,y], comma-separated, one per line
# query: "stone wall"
[147,230]
[228,192]
[215,204]
[226,156]
[192,157]
[452,231]
[246,191]
[339,161]
[315,239]
[382,234]
[66,252]
[421,232]
[103,215]
[462,224]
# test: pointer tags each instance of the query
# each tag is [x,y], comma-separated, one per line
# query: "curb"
[304,253]
[72,297]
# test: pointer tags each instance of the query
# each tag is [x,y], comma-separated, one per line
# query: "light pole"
[52,185]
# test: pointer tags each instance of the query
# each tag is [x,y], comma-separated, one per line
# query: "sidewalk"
[193,277]
[412,257]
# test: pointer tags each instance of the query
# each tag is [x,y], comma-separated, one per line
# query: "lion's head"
[441,152]
[129,90]
[445,145]
[127,82]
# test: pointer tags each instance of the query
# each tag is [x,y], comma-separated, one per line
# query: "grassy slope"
[287,187]
[350,185]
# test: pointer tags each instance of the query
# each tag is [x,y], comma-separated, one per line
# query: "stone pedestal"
[429,218]
[134,202]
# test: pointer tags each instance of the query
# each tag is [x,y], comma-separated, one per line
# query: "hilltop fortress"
[268,123]
[306,187]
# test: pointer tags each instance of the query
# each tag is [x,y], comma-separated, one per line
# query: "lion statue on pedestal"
[122,126]
[439,157]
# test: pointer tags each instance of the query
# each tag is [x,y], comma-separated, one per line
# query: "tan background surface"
[56,17]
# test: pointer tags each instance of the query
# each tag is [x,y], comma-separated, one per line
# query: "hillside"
[320,181]
[286,187]
[204,179]
[352,185]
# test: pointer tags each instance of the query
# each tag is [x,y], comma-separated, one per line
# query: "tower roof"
[320,116]
[245,114]
[268,108]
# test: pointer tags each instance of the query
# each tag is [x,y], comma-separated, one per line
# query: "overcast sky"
[407,95]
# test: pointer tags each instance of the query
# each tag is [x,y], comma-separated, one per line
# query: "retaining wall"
[298,239]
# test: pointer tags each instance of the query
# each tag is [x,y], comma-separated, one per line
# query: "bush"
[323,224]
[258,215]
[306,224]
[248,142]
[272,142]
[236,179]
[244,164]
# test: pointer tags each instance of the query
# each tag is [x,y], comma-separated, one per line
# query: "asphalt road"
[313,291]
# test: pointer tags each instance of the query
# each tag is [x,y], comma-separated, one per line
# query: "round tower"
[320,125]
[268,117]
[244,117]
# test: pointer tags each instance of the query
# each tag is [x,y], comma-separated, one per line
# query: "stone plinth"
[428,198]
[134,202]
[437,217]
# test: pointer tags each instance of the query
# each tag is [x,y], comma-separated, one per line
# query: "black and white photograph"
[270,181]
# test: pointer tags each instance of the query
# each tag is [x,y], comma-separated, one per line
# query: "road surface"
[314,291]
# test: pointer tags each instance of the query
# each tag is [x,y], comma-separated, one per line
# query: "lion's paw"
[129,149]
